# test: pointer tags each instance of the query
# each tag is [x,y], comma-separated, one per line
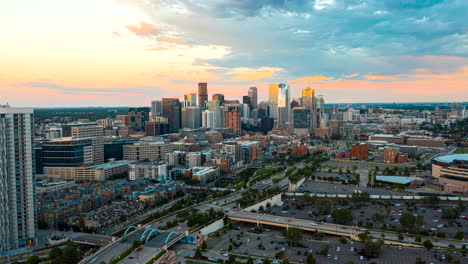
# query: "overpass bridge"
[333,229]
[94,239]
[154,241]
[288,222]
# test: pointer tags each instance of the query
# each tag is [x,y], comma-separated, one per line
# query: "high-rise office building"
[157,126]
[208,119]
[300,120]
[191,117]
[138,117]
[253,94]
[190,99]
[246,100]
[266,124]
[232,118]
[215,107]
[308,98]
[219,97]
[172,111]
[96,133]
[67,152]
[18,225]
[202,94]
[156,108]
[310,102]
[279,103]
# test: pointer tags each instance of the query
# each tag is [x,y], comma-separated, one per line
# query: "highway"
[152,248]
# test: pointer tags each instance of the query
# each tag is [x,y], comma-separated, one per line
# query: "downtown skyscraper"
[253,95]
[279,101]
[172,110]
[202,94]
[18,225]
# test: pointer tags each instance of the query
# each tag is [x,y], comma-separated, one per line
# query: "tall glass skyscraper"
[253,94]
[18,225]
[278,100]
[308,98]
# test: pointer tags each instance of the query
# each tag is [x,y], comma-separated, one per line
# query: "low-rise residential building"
[149,170]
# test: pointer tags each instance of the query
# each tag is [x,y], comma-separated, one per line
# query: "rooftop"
[398,179]
[112,164]
[451,158]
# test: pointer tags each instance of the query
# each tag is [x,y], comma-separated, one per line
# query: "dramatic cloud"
[324,36]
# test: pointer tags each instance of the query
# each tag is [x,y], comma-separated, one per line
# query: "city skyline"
[127,52]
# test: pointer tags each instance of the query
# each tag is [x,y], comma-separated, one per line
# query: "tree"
[204,245]
[70,254]
[323,205]
[407,219]
[418,239]
[400,236]
[431,199]
[372,246]
[451,213]
[249,260]
[428,244]
[342,216]
[260,245]
[285,261]
[459,235]
[55,253]
[343,240]
[232,258]
[294,235]
[198,253]
[310,258]
[266,261]
[33,260]
[324,251]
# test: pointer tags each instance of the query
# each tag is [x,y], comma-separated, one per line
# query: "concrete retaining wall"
[273,201]
[292,187]
[213,227]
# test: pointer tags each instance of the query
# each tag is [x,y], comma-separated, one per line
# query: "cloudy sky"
[127,52]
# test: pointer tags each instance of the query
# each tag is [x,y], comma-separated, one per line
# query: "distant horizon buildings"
[211,114]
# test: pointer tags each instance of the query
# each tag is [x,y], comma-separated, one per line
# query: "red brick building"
[299,150]
[232,119]
[360,151]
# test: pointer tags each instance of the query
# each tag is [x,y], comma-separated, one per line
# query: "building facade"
[253,94]
[138,117]
[202,94]
[18,225]
[232,119]
[96,133]
[147,151]
[172,111]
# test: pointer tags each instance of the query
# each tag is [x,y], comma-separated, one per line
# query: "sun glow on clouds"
[128,51]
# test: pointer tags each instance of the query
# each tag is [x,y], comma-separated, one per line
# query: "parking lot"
[377,214]
[272,241]
[337,188]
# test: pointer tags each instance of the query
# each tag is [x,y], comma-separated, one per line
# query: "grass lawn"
[461,151]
